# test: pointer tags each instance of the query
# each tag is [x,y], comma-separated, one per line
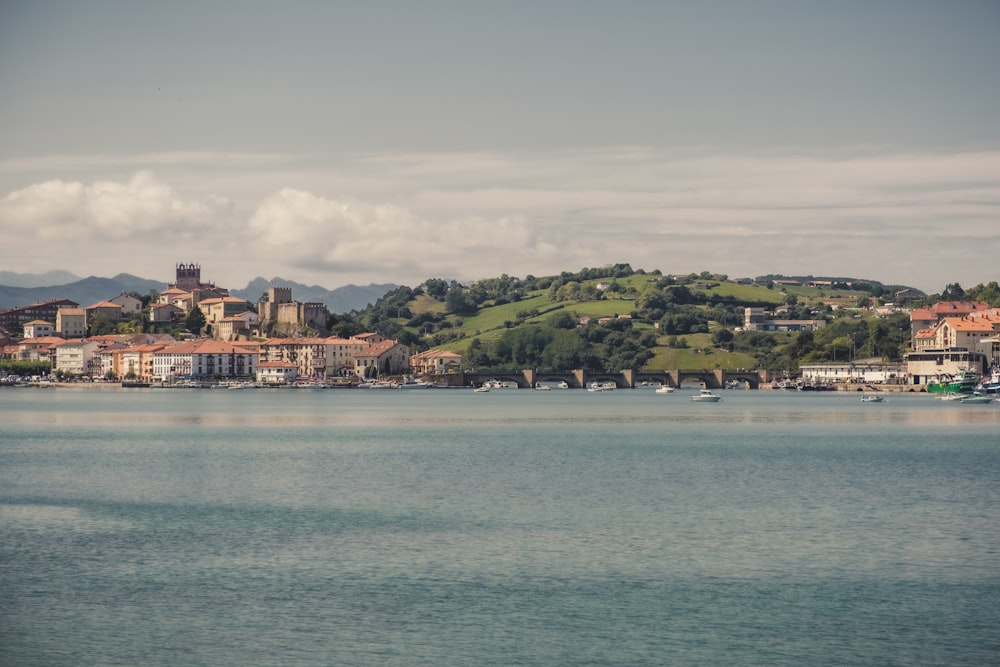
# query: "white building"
[203,358]
[75,357]
[37,329]
[277,372]
[858,372]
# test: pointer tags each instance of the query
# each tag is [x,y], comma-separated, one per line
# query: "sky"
[339,143]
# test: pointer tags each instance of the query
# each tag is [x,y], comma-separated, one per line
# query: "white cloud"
[920,219]
[142,209]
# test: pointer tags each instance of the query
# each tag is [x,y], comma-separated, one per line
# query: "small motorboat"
[871,398]
[976,399]
[706,396]
[665,389]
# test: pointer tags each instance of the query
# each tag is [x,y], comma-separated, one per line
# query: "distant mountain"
[88,291]
[340,300]
[85,292]
[37,279]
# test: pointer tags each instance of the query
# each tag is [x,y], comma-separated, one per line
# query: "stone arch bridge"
[628,379]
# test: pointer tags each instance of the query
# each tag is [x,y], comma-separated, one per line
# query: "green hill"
[614,317]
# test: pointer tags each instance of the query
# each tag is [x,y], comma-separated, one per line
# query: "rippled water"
[443,527]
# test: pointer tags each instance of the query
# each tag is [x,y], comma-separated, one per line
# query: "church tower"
[188,277]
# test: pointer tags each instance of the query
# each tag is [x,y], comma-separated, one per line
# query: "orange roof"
[203,346]
[969,324]
[104,304]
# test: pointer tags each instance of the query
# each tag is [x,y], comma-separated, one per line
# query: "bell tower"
[188,277]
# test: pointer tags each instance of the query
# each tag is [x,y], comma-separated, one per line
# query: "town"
[229,341]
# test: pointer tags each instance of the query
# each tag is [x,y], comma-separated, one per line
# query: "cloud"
[141,209]
[327,234]
[921,219]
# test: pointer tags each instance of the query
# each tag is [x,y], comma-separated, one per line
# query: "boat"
[602,386]
[990,384]
[963,383]
[953,396]
[665,389]
[871,398]
[542,387]
[563,385]
[976,399]
[412,383]
[706,396]
[482,389]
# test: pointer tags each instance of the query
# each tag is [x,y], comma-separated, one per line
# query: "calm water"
[444,527]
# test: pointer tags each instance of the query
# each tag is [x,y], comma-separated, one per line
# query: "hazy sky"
[337,143]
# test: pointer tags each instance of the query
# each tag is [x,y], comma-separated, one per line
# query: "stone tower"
[188,277]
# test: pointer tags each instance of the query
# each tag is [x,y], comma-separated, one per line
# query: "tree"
[101,325]
[195,320]
[953,292]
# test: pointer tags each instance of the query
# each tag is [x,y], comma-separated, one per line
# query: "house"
[165,312]
[13,319]
[234,327]
[958,332]
[341,355]
[37,329]
[922,318]
[387,357]
[756,319]
[435,362]
[108,309]
[277,372]
[38,349]
[130,304]
[308,354]
[136,361]
[71,322]
[75,357]
[218,309]
[202,358]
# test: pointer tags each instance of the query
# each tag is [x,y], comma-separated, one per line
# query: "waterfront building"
[308,354]
[277,372]
[387,357]
[435,362]
[861,371]
[203,358]
[75,357]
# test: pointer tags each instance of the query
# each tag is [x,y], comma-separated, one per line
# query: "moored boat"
[976,399]
[962,383]
[706,396]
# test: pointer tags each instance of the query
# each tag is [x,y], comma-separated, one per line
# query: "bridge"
[628,379]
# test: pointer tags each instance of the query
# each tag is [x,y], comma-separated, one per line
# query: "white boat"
[542,387]
[706,396]
[871,398]
[482,389]
[412,383]
[665,389]
[563,385]
[602,386]
[976,398]
[953,396]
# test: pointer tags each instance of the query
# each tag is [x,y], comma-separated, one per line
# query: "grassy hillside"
[694,320]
